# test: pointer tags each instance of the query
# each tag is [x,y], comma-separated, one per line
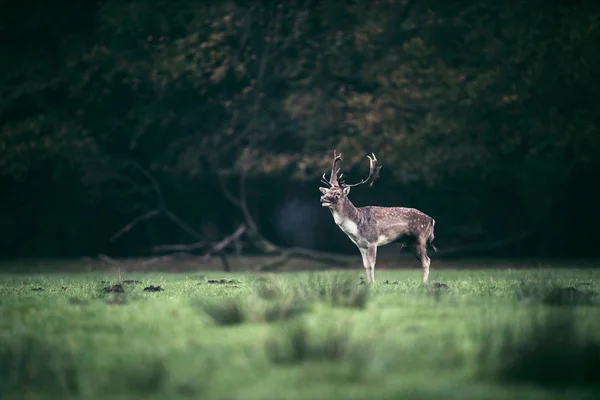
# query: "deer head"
[336,190]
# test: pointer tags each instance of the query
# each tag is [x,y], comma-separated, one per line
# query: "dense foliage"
[494,99]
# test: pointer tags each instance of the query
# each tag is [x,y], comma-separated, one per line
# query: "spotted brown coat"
[373,226]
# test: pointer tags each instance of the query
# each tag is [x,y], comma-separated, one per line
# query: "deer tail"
[432,236]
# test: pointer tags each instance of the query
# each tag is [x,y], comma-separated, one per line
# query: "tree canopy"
[479,95]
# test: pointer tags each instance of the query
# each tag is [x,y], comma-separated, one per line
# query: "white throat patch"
[345,224]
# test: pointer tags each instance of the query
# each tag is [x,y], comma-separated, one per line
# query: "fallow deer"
[373,226]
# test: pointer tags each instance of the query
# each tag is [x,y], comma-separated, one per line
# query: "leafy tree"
[496,99]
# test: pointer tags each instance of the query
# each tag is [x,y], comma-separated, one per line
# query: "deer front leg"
[365,260]
[369,256]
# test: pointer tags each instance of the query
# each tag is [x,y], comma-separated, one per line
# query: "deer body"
[372,226]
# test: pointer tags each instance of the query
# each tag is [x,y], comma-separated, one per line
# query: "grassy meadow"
[484,334]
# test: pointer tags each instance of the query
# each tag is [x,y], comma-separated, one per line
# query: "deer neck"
[344,213]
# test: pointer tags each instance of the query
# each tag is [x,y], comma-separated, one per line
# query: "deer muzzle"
[325,202]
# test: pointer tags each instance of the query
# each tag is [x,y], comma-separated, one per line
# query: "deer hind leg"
[421,254]
[369,257]
[372,256]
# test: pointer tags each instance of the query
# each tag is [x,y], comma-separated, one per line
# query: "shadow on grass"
[552,353]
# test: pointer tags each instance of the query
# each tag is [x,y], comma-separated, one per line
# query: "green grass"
[492,334]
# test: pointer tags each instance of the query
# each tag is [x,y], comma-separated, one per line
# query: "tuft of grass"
[283,309]
[552,352]
[235,311]
[339,290]
[28,363]
[268,290]
[149,378]
[297,345]
[553,295]
[228,311]
[303,327]
[568,296]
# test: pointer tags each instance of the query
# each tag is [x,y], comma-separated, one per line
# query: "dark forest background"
[484,115]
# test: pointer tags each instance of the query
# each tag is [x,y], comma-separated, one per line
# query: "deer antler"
[333,179]
[374,168]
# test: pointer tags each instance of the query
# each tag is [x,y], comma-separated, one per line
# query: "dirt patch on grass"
[223,281]
[152,288]
[439,285]
[118,288]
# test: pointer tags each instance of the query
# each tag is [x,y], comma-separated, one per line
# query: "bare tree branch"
[134,222]
[179,222]
[161,201]
[262,243]
[151,180]
[233,200]
[117,169]
[254,234]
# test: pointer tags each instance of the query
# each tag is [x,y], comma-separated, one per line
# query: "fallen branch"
[220,246]
[495,244]
[107,259]
[299,252]
[162,208]
[217,248]
[179,247]
[274,264]
[296,252]
[152,261]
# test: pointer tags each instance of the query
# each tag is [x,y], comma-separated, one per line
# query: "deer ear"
[323,190]
[346,190]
